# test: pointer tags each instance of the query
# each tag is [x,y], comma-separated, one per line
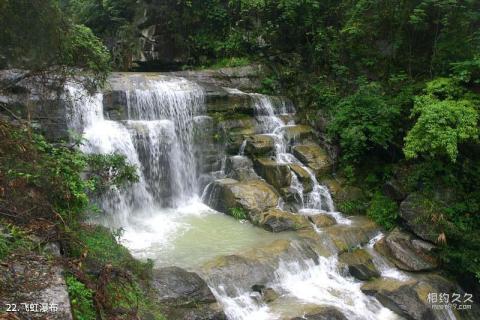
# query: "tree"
[35,35]
[445,119]
[363,122]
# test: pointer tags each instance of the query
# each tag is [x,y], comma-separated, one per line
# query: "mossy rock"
[276,220]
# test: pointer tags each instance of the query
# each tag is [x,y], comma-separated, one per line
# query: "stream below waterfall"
[163,216]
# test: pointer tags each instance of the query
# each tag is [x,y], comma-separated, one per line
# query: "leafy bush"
[81,299]
[383,211]
[48,179]
[363,122]
[100,246]
[445,119]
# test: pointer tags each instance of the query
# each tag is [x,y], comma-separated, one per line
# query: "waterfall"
[156,136]
[267,111]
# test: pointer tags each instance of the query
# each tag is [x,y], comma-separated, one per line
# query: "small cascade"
[299,281]
[267,112]
[386,269]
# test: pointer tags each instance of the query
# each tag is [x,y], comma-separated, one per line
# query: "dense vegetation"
[397,84]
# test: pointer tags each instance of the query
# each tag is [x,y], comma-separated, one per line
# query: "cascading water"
[156,136]
[267,114]
[162,223]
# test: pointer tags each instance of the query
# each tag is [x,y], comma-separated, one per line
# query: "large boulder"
[184,295]
[276,174]
[260,145]
[253,196]
[359,264]
[276,220]
[416,214]
[179,287]
[410,299]
[408,252]
[313,156]
[321,220]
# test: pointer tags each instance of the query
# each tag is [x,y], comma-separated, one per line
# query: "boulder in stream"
[322,220]
[253,196]
[359,264]
[408,252]
[184,295]
[410,299]
[276,220]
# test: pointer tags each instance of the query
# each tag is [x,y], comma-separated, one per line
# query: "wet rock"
[313,156]
[409,298]
[276,220]
[269,295]
[359,264]
[343,194]
[415,212]
[322,220]
[296,133]
[347,237]
[303,176]
[400,297]
[276,174]
[259,144]
[240,168]
[179,287]
[287,118]
[253,196]
[256,266]
[323,313]
[246,78]
[408,253]
[185,295]
[33,279]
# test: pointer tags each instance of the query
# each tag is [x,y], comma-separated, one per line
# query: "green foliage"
[363,122]
[81,299]
[445,119]
[37,36]
[83,49]
[101,245]
[238,213]
[383,211]
[231,62]
[111,19]
[52,183]
[13,240]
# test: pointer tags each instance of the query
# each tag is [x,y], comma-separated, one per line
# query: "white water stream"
[164,220]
